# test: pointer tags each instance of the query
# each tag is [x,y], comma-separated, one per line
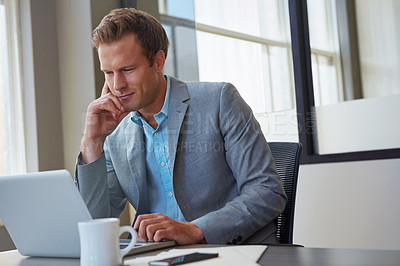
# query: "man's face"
[129,75]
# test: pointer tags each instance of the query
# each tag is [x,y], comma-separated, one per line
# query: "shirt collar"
[136,117]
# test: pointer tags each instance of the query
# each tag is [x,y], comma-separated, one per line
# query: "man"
[189,157]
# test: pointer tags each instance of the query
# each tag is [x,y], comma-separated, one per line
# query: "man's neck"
[149,115]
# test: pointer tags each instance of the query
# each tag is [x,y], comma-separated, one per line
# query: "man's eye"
[128,70]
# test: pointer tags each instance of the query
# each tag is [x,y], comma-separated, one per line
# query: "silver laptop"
[41,212]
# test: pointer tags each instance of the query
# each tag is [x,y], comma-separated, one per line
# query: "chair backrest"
[287,157]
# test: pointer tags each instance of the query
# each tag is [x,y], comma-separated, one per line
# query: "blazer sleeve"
[261,194]
[99,187]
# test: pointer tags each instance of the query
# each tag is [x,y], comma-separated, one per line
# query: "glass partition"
[355,65]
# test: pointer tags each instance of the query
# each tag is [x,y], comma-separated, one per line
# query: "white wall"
[77,84]
[349,205]
[44,132]
[58,77]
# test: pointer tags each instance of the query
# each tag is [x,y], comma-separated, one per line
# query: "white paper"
[236,255]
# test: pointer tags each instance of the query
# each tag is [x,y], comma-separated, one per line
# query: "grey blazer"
[224,177]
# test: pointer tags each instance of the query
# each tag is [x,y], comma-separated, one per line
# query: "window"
[12,144]
[244,42]
[248,44]
[177,17]
[325,53]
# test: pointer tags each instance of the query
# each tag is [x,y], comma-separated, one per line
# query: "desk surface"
[282,255]
[274,255]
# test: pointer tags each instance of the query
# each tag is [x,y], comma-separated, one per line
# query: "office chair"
[286,156]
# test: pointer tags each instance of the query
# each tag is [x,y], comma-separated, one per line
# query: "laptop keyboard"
[123,243]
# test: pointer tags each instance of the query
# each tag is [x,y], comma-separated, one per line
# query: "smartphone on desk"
[192,257]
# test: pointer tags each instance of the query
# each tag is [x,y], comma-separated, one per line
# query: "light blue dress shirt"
[161,197]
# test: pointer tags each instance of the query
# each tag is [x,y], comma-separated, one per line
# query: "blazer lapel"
[176,114]
[135,149]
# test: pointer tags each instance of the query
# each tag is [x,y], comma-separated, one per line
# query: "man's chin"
[129,108]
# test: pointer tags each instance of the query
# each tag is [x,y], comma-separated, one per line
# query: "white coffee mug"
[99,239]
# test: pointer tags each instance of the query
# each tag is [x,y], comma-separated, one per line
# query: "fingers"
[103,116]
[108,103]
[111,104]
[157,227]
[167,232]
[122,116]
[105,89]
[106,94]
[148,224]
[109,96]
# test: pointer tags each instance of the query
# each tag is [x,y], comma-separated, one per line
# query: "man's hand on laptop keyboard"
[158,227]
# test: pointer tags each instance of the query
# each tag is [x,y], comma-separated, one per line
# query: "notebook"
[41,212]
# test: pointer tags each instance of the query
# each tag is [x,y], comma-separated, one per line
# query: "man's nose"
[119,82]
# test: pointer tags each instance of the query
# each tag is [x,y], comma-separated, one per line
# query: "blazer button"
[234,241]
[239,238]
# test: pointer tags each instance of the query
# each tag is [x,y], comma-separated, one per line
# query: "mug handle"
[128,229]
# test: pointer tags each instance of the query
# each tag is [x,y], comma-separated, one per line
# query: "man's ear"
[159,60]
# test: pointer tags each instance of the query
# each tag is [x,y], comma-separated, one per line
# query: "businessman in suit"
[190,157]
